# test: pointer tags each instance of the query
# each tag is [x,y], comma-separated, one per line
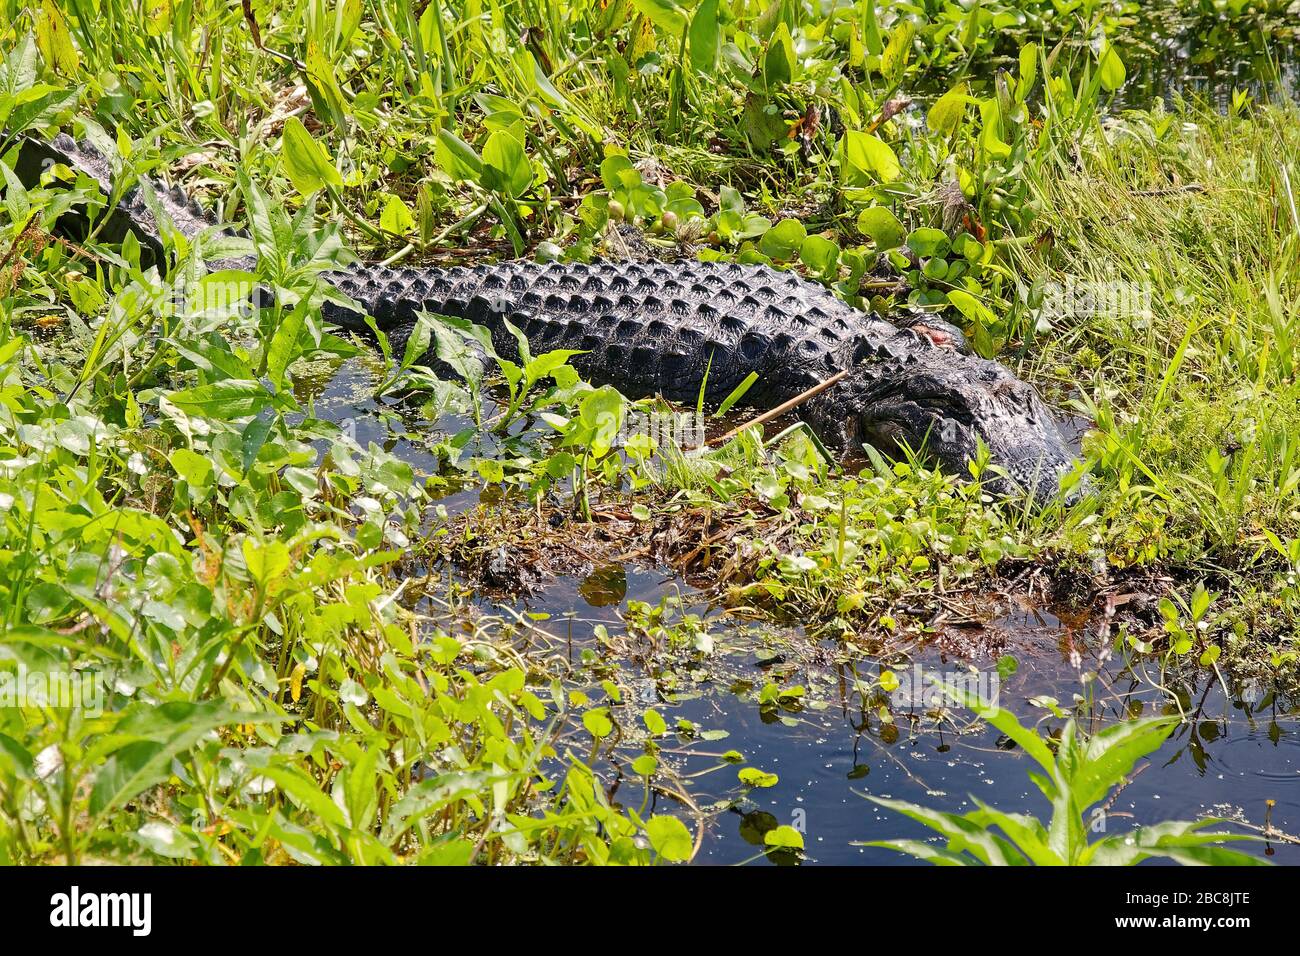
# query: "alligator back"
[649,328]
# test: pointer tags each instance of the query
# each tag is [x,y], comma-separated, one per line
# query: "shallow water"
[1238,752]
[1169,55]
[1176,56]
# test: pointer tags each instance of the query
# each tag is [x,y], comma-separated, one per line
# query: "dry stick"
[783,407]
[1170,190]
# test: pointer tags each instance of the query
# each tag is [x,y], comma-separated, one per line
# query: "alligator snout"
[947,406]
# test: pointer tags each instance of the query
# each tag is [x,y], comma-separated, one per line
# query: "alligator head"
[946,404]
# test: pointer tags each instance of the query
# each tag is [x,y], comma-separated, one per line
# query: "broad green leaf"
[780,66]
[1005,721]
[396,217]
[961,833]
[784,240]
[305,161]
[1110,754]
[1177,840]
[665,14]
[55,41]
[1025,832]
[193,468]
[306,793]
[882,227]
[928,852]
[705,37]
[157,734]
[821,255]
[285,347]
[946,114]
[867,160]
[266,561]
[597,722]
[784,837]
[506,168]
[669,838]
[1111,68]
[753,777]
[897,52]
[928,241]
[457,158]
[222,400]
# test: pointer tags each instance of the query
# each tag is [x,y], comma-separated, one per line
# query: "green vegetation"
[256,593]
[1078,773]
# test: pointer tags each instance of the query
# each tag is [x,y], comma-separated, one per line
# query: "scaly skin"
[668,329]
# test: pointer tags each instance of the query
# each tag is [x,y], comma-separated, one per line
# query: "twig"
[783,407]
[1171,190]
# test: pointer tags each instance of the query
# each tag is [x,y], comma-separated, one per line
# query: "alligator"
[674,329]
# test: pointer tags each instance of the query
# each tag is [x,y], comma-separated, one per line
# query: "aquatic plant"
[1078,772]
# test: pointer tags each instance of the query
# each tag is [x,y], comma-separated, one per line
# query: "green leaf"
[753,777]
[1028,70]
[669,838]
[705,37]
[666,15]
[193,468]
[15,761]
[396,217]
[1005,721]
[457,158]
[779,63]
[222,400]
[433,795]
[867,160]
[784,837]
[924,851]
[946,114]
[506,168]
[1111,68]
[975,311]
[990,134]
[306,793]
[266,561]
[1110,754]
[597,722]
[156,735]
[654,722]
[821,255]
[962,834]
[305,161]
[1025,832]
[895,56]
[882,227]
[1177,840]
[285,346]
[783,240]
[928,241]
[737,394]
